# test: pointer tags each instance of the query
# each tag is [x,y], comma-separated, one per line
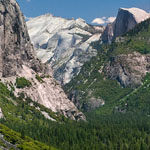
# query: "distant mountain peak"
[139,14]
[64,43]
[126,20]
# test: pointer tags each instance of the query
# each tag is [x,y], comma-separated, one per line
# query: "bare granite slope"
[17,59]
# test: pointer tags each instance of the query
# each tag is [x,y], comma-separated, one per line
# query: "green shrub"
[39,78]
[22,82]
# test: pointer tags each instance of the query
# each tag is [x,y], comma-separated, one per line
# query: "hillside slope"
[28,118]
[13,140]
[18,62]
[114,73]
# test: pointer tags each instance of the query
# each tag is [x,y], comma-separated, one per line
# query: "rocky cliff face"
[64,44]
[15,46]
[128,69]
[126,20]
[108,33]
[17,59]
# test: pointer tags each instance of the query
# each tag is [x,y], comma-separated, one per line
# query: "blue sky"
[86,9]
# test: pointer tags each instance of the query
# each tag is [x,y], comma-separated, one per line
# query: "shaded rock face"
[128,69]
[91,102]
[108,33]
[15,46]
[63,43]
[126,20]
[17,59]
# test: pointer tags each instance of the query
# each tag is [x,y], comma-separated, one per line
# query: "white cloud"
[103,20]
[111,19]
[99,21]
[28,0]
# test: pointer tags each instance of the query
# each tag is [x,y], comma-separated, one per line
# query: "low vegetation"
[20,114]
[13,140]
[22,82]
[39,78]
[138,100]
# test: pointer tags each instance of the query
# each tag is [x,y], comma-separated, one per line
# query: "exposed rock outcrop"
[126,20]
[128,69]
[108,33]
[63,43]
[17,59]
[1,114]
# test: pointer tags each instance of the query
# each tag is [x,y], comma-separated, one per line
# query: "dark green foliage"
[139,99]
[39,78]
[24,143]
[22,82]
[4,90]
[101,132]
